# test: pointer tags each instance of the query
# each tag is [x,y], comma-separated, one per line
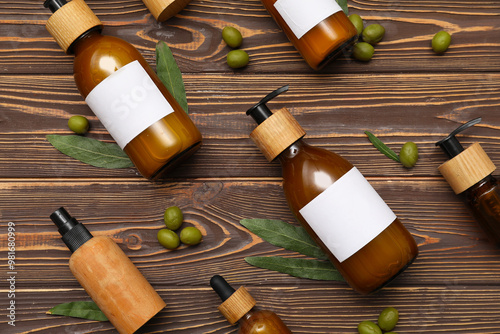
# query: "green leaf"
[303,268]
[83,309]
[91,151]
[170,74]
[282,234]
[382,147]
[343,5]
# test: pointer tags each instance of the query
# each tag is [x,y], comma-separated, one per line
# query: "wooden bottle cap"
[165,9]
[467,168]
[70,21]
[276,133]
[237,305]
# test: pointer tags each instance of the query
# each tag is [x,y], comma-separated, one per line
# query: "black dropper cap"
[54,5]
[450,145]
[73,233]
[260,112]
[223,289]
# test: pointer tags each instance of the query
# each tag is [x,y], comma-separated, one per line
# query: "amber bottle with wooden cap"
[469,172]
[108,276]
[318,29]
[238,307]
[336,205]
[123,91]
[165,9]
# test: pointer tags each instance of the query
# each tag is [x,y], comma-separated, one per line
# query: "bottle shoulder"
[99,56]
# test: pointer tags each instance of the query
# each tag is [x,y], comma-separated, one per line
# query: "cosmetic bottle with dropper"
[469,172]
[336,205]
[238,307]
[109,277]
[123,91]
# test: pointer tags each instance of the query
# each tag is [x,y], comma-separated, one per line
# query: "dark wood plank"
[194,36]
[334,110]
[451,244]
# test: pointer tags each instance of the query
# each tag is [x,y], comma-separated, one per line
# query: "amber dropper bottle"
[123,91]
[238,307]
[109,277]
[336,205]
[469,172]
[318,29]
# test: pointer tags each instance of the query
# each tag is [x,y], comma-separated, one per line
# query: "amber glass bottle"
[123,91]
[469,173]
[238,307]
[319,29]
[334,203]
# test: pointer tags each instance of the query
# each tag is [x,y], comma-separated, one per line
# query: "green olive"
[373,33]
[368,327]
[441,41]
[409,154]
[357,21]
[363,51]
[78,124]
[232,36]
[190,235]
[388,319]
[173,218]
[237,58]
[168,238]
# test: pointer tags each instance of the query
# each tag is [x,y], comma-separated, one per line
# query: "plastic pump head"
[450,145]
[260,112]
[54,5]
[73,233]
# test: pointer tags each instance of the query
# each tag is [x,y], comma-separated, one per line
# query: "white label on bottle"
[348,215]
[302,15]
[128,102]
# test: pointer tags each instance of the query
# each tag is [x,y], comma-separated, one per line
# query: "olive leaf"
[303,268]
[91,151]
[343,5]
[170,74]
[283,234]
[382,147]
[80,309]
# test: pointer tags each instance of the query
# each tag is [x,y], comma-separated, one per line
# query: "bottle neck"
[292,151]
[85,40]
[481,187]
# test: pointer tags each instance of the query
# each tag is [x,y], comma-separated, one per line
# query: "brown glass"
[164,144]
[378,262]
[323,42]
[483,199]
[262,322]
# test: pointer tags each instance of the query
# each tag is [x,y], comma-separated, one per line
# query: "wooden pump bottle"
[238,306]
[318,29]
[123,91]
[108,276]
[469,172]
[334,203]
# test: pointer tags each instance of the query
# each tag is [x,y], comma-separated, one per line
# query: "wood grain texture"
[405,93]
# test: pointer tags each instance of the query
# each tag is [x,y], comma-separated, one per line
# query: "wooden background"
[405,93]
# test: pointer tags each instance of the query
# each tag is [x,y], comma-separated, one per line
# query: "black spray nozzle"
[223,289]
[54,5]
[450,145]
[73,233]
[260,112]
